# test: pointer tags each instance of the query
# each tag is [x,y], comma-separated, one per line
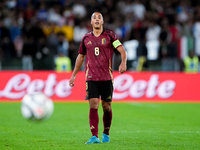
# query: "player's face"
[97,20]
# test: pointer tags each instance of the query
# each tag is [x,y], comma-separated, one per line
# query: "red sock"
[94,121]
[107,119]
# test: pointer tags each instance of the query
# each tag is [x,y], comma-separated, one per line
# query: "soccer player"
[98,46]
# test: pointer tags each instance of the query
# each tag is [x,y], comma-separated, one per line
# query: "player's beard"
[97,27]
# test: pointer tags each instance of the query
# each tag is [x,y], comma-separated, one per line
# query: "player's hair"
[96,12]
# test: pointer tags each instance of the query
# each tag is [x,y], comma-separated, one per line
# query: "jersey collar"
[99,35]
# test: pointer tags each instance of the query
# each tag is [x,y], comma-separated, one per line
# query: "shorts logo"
[103,41]
[89,42]
[109,97]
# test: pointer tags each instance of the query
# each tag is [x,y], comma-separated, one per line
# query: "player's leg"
[93,116]
[107,116]
[93,97]
[106,96]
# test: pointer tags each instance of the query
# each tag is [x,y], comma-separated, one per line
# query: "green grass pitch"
[135,126]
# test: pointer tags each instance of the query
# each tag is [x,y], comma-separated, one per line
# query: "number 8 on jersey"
[96,51]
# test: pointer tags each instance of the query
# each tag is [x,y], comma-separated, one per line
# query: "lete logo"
[21,84]
[124,86]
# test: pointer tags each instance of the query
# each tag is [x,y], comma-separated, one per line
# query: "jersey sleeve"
[116,43]
[82,48]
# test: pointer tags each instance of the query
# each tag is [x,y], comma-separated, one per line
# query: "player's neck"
[97,32]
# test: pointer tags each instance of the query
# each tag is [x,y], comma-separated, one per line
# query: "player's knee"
[106,107]
[94,103]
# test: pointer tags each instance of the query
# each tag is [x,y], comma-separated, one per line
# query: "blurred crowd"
[37,31]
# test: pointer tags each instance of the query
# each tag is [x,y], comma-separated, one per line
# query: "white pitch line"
[4,132]
[185,132]
[172,132]
[144,105]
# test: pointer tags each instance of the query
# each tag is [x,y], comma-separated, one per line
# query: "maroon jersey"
[99,54]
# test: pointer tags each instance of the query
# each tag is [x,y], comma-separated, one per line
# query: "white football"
[37,107]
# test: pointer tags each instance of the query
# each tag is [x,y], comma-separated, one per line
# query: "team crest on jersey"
[103,41]
[89,42]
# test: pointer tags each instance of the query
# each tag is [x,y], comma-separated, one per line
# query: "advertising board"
[130,86]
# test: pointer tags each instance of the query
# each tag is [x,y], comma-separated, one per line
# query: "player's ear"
[102,22]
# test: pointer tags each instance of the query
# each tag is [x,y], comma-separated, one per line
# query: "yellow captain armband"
[116,43]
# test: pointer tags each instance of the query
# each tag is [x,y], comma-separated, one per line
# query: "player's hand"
[122,68]
[71,81]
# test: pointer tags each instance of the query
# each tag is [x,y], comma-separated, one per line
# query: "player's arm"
[122,67]
[78,64]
